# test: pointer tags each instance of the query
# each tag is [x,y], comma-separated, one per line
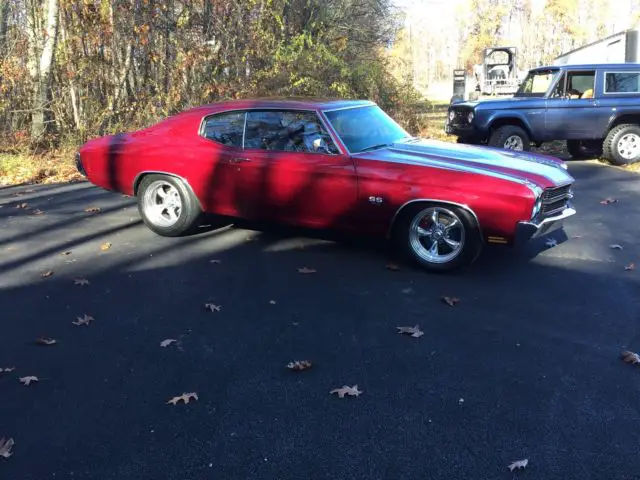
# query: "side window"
[287,131]
[624,82]
[580,84]
[225,128]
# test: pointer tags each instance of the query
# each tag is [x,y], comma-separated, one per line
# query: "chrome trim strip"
[370,104]
[432,200]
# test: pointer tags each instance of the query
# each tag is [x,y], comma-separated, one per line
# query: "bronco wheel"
[167,206]
[581,149]
[510,137]
[622,145]
[438,238]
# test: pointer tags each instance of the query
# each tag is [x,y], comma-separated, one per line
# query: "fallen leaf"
[413,331]
[272,302]
[84,320]
[631,266]
[306,271]
[64,254]
[518,464]
[46,341]
[608,201]
[215,261]
[212,307]
[451,301]
[5,447]
[46,274]
[616,247]
[167,342]
[185,397]
[346,390]
[26,381]
[299,365]
[299,247]
[551,242]
[105,246]
[7,370]
[80,281]
[93,210]
[22,205]
[37,211]
[577,236]
[630,357]
[407,291]
[393,267]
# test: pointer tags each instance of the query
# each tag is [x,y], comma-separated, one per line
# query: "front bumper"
[526,231]
[466,130]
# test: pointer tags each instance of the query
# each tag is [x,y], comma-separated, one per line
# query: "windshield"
[537,83]
[365,128]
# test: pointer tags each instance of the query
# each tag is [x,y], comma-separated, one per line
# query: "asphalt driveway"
[525,366]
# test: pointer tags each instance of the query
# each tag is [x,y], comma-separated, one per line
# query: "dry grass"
[55,166]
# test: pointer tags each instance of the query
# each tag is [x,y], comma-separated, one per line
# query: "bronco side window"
[575,85]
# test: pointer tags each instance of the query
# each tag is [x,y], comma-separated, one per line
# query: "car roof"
[296,103]
[591,66]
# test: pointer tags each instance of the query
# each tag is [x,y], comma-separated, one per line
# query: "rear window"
[622,82]
[226,128]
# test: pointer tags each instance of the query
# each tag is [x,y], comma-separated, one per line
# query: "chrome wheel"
[629,146]
[436,235]
[162,204]
[514,142]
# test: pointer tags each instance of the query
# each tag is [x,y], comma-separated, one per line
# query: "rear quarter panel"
[172,146]
[499,204]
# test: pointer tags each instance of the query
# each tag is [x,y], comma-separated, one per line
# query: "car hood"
[520,167]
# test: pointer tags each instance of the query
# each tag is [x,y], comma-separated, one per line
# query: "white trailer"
[622,47]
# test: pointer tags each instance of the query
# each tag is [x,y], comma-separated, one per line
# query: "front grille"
[461,115]
[555,200]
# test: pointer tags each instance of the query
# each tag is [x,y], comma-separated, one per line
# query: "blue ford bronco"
[595,108]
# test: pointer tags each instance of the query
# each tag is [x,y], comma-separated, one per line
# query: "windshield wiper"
[375,147]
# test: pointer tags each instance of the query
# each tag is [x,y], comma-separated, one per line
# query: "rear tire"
[510,137]
[583,149]
[167,206]
[622,145]
[443,243]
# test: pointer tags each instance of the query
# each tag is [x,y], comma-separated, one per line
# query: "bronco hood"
[520,167]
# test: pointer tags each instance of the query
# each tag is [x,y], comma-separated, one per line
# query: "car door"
[570,110]
[304,179]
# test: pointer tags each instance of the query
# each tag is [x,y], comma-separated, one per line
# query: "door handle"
[239,160]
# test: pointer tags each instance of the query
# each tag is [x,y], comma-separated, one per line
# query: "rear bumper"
[79,165]
[526,231]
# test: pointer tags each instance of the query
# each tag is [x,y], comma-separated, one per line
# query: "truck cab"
[594,108]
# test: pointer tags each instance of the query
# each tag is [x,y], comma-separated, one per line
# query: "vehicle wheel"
[622,145]
[510,137]
[581,149]
[167,206]
[438,238]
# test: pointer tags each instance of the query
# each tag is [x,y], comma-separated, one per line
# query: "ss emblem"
[375,200]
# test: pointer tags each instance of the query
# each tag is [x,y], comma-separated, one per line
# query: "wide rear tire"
[622,145]
[167,206]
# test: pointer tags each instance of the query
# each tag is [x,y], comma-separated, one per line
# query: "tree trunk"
[4,21]
[41,116]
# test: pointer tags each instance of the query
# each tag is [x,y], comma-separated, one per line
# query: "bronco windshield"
[365,128]
[537,83]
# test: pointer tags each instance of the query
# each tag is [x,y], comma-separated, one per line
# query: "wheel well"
[622,119]
[141,176]
[501,122]
[430,201]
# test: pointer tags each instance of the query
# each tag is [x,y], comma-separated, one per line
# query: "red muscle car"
[336,164]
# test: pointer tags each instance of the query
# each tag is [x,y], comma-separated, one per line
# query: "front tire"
[622,145]
[583,149]
[510,137]
[167,206]
[438,238]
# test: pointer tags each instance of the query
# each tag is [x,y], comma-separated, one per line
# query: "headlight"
[564,166]
[452,115]
[536,208]
[470,117]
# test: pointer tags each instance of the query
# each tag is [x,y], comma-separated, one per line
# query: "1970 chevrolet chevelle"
[331,164]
